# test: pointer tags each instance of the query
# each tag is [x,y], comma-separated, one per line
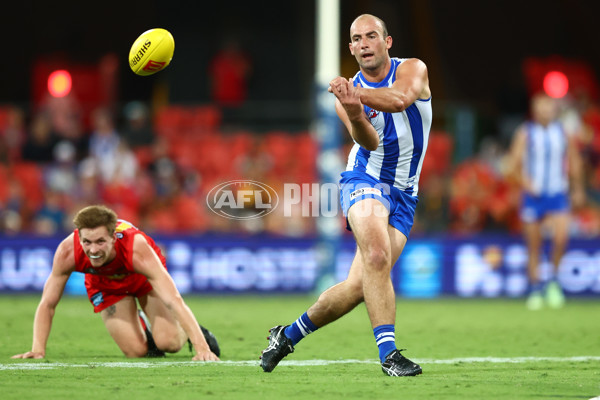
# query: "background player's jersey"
[403,140]
[122,265]
[545,162]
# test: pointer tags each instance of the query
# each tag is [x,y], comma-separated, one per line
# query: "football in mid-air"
[151,52]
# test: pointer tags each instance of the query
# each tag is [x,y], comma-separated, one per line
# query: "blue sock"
[302,327]
[536,287]
[385,337]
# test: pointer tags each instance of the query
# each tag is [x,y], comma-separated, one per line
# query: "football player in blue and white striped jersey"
[387,110]
[545,162]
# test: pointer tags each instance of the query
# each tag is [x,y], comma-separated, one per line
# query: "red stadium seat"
[162,220]
[3,183]
[439,155]
[213,157]
[3,118]
[184,152]
[204,119]
[280,147]
[168,120]
[181,121]
[144,155]
[31,178]
[189,214]
[307,152]
[240,143]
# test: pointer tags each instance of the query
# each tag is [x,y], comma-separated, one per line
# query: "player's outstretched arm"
[62,266]
[147,263]
[412,83]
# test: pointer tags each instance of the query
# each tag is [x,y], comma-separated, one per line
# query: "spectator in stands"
[110,154]
[120,192]
[433,214]
[50,218]
[74,133]
[64,113]
[41,140]
[138,130]
[11,222]
[228,71]
[12,135]
[546,164]
[13,209]
[61,174]
[164,171]
[88,189]
[472,188]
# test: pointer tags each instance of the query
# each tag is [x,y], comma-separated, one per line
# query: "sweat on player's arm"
[121,265]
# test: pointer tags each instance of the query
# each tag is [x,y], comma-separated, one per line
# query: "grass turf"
[437,333]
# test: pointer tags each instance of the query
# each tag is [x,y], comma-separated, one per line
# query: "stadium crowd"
[156,168]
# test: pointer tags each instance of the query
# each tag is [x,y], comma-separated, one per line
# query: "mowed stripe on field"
[299,363]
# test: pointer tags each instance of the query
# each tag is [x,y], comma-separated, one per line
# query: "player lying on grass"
[121,263]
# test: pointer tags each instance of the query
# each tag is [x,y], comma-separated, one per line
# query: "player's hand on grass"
[30,354]
[205,356]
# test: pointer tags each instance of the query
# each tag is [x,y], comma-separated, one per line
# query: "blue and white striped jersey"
[545,162]
[403,140]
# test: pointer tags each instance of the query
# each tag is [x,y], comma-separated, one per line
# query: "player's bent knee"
[168,343]
[135,351]
[377,259]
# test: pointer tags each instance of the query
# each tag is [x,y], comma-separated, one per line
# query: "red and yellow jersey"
[122,265]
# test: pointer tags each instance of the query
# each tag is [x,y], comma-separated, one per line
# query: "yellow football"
[151,52]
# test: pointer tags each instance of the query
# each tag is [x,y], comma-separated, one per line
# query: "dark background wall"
[474,49]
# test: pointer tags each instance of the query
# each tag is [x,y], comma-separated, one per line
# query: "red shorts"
[103,292]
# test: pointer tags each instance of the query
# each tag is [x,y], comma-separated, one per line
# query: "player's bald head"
[370,18]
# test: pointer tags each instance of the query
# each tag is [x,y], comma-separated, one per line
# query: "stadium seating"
[181,121]
[30,176]
[3,183]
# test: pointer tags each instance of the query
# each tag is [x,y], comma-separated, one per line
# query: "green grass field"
[469,349]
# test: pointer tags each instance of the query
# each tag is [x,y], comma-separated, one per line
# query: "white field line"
[36,365]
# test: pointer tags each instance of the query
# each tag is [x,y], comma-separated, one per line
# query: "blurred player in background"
[386,108]
[120,264]
[542,159]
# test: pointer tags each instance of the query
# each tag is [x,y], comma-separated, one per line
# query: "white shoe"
[555,298]
[535,301]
